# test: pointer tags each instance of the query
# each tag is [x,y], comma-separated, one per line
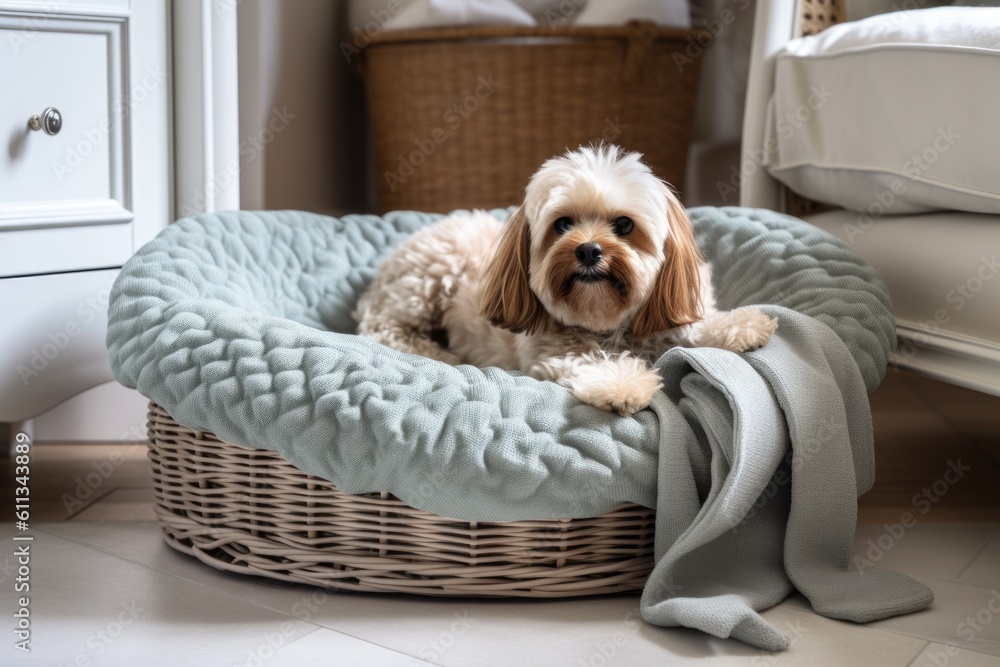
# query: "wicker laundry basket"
[250,511]
[462,117]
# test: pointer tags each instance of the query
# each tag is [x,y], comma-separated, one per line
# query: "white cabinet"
[52,343]
[76,204]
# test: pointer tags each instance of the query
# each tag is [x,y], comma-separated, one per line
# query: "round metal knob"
[50,120]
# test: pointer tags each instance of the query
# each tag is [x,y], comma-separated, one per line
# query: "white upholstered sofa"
[940,268]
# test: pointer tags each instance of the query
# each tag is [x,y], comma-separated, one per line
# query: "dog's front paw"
[625,388]
[623,400]
[747,329]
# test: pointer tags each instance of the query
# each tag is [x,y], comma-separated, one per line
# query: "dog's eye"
[623,226]
[563,224]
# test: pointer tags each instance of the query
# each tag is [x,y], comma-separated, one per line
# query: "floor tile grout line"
[946,581]
[866,626]
[341,632]
[919,653]
[176,576]
[960,648]
[964,568]
[923,648]
[978,554]
[366,641]
[219,590]
[893,631]
[316,626]
[91,504]
[912,634]
[76,516]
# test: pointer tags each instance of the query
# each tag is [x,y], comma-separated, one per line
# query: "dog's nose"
[589,253]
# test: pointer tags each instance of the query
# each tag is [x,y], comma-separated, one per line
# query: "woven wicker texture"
[252,512]
[817,16]
[463,116]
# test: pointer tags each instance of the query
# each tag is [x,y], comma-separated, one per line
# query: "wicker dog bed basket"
[252,512]
[462,117]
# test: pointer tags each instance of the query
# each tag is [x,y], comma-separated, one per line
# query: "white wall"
[291,63]
[726,27]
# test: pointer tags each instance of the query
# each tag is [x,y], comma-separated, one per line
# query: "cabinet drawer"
[55,249]
[78,64]
[52,339]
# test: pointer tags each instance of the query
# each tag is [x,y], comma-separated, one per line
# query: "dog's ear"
[505,297]
[676,296]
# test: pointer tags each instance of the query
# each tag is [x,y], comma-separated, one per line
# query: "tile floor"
[107,591]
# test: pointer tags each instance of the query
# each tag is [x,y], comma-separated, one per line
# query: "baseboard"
[107,413]
[943,355]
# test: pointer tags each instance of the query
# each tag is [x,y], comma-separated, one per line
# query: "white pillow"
[674,13]
[898,113]
[442,13]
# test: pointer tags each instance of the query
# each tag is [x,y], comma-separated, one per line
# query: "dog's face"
[600,243]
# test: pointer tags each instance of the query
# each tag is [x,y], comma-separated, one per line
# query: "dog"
[588,282]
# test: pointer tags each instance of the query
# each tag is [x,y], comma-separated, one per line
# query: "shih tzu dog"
[593,278]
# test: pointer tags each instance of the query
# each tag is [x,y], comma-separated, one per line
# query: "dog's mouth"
[591,277]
